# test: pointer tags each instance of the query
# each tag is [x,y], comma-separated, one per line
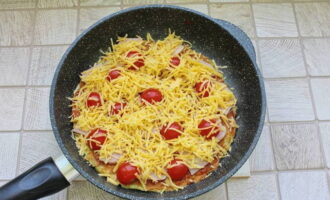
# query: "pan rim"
[128,196]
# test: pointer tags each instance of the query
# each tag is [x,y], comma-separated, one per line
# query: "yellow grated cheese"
[134,132]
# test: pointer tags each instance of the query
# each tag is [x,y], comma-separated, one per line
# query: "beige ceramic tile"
[9,143]
[89,16]
[199,7]
[83,190]
[16,27]
[275,20]
[244,171]
[313,18]
[11,108]
[58,196]
[14,65]
[141,2]
[269,1]
[309,185]
[215,194]
[43,64]
[99,2]
[2,183]
[57,3]
[37,146]
[325,138]
[296,146]
[184,1]
[281,58]
[289,100]
[257,187]
[242,17]
[320,88]
[228,1]
[17,4]
[36,111]
[262,158]
[55,26]
[317,53]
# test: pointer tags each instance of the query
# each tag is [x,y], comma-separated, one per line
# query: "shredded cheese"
[134,132]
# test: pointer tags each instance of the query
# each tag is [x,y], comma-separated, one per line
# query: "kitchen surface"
[292,42]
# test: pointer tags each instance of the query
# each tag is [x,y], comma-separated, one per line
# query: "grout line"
[130,5]
[227,190]
[288,171]
[121,4]
[26,91]
[26,131]
[275,163]
[36,45]
[291,122]
[208,8]
[78,19]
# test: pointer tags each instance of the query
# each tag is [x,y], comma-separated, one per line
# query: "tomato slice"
[208,128]
[113,74]
[94,99]
[151,95]
[126,173]
[96,138]
[117,107]
[177,171]
[132,54]
[203,88]
[137,64]
[175,61]
[171,131]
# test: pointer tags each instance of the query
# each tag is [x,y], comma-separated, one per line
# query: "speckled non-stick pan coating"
[207,35]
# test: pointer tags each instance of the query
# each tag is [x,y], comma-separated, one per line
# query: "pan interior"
[206,37]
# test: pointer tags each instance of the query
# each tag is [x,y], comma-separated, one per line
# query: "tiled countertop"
[292,39]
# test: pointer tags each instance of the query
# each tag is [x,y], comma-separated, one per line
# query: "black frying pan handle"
[41,180]
[241,37]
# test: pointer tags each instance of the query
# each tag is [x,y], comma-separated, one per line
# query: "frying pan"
[217,39]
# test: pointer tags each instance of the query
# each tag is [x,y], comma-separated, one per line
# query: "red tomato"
[94,99]
[137,64]
[113,74]
[205,127]
[96,138]
[117,107]
[175,61]
[203,88]
[178,170]
[126,173]
[132,54]
[171,131]
[152,95]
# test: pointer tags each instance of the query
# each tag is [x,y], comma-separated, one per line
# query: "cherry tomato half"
[117,107]
[113,74]
[207,126]
[126,173]
[137,64]
[178,170]
[132,54]
[96,138]
[175,61]
[94,99]
[152,95]
[203,88]
[171,131]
